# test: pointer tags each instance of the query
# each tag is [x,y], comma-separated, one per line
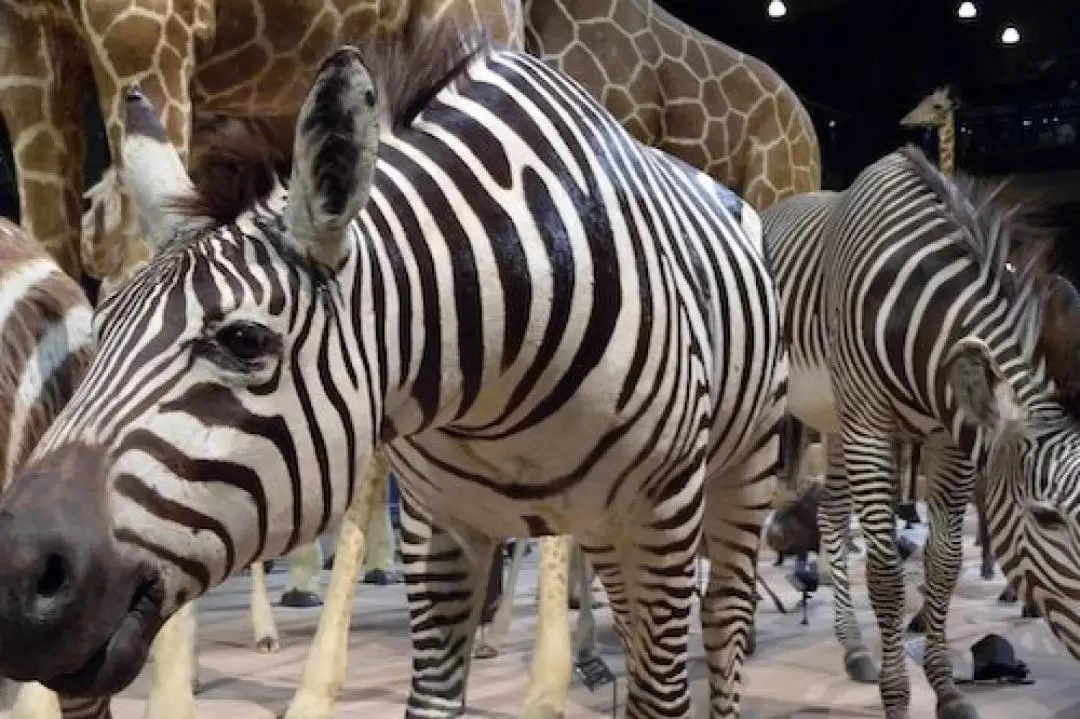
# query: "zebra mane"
[237,170]
[1016,251]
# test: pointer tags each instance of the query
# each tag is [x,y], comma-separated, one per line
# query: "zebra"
[913,308]
[46,346]
[474,268]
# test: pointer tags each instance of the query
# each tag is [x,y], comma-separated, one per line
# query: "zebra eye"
[247,341]
[1047,516]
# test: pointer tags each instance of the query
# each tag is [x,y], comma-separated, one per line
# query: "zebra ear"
[153,173]
[981,391]
[334,155]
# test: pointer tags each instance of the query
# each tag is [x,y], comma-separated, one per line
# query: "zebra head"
[175,465]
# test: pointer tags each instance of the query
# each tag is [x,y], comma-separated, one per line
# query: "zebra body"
[550,328]
[914,298]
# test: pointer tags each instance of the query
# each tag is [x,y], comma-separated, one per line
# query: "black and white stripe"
[914,312]
[551,328]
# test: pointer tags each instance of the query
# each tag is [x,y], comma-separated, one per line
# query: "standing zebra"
[527,293]
[914,308]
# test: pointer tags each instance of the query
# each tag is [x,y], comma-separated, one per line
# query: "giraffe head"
[932,111]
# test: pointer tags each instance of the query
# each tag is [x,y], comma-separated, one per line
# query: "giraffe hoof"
[299,599]
[485,651]
[267,645]
[381,577]
[196,685]
[955,706]
[860,667]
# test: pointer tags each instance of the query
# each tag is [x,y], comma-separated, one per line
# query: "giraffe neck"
[947,145]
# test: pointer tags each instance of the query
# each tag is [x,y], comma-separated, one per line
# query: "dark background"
[860,65]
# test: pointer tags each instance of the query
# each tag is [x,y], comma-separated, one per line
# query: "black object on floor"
[806,579]
[994,660]
[299,599]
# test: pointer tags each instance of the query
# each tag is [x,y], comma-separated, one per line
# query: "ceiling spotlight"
[967,10]
[1010,35]
[777,9]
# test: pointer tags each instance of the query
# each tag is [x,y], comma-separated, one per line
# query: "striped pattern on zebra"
[46,345]
[550,328]
[913,307]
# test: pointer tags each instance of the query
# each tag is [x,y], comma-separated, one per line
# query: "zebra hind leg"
[869,460]
[445,571]
[737,504]
[947,497]
[834,521]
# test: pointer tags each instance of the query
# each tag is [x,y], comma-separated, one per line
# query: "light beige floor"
[797,672]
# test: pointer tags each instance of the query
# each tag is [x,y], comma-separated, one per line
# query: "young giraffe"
[677,89]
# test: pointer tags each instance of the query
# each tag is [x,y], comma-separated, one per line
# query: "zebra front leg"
[834,522]
[952,480]
[172,682]
[737,504]
[869,461]
[305,574]
[500,623]
[263,625]
[550,673]
[445,571]
[328,656]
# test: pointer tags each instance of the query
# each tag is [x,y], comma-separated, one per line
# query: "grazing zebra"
[45,347]
[527,293]
[914,308]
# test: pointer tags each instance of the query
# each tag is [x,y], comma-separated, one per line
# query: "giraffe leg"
[33,701]
[550,673]
[445,572]
[737,504]
[869,460]
[43,114]
[263,625]
[948,493]
[327,660]
[305,577]
[162,63]
[585,640]
[172,681]
[500,623]
[379,562]
[834,521]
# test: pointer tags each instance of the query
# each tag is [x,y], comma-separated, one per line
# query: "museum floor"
[796,673]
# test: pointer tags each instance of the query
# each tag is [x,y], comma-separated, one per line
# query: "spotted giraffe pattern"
[937,111]
[721,110]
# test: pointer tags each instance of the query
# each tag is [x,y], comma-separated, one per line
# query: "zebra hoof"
[917,625]
[1007,596]
[1029,612]
[267,645]
[860,667]
[329,563]
[381,577]
[955,706]
[486,651]
[987,571]
[299,599]
[196,685]
[751,643]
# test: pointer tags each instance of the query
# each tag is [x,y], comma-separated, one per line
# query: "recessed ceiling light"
[967,10]
[1010,35]
[777,9]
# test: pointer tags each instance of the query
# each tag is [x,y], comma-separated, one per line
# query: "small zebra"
[913,308]
[549,328]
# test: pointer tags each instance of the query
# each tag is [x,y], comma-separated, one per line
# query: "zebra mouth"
[122,656]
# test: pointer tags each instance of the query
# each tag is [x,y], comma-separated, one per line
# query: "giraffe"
[938,112]
[677,89]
